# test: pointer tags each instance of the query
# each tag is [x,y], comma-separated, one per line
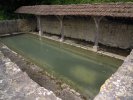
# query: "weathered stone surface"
[120,85]
[42,77]
[16,85]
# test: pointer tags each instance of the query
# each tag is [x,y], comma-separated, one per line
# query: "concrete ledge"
[120,85]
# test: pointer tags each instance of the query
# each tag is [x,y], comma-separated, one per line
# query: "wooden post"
[87,19]
[39,25]
[96,38]
[60,18]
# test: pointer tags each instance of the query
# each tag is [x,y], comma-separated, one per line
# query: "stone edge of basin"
[120,85]
[84,47]
[31,70]
[13,86]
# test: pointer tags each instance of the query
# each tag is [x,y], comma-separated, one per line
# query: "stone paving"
[17,85]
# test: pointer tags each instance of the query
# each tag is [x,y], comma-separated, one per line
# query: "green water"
[85,69]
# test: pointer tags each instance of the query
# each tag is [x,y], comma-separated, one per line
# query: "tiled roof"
[105,9]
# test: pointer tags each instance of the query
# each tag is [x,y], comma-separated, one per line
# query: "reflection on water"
[88,72]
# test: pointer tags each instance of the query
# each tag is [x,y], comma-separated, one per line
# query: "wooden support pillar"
[60,18]
[39,25]
[87,19]
[96,38]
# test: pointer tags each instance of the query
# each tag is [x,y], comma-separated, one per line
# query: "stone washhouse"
[110,24]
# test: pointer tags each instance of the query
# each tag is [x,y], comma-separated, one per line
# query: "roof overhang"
[105,9]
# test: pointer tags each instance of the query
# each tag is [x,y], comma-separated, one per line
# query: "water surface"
[87,72]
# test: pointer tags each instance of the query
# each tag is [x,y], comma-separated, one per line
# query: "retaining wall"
[111,33]
[19,25]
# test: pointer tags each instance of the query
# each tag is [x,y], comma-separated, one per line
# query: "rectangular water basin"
[86,70]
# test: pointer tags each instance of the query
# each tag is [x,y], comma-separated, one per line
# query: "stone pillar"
[96,38]
[39,25]
[60,18]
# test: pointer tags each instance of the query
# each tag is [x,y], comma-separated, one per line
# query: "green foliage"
[7,7]
[83,1]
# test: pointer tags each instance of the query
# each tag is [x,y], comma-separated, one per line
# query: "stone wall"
[111,33]
[26,25]
[19,25]
[8,26]
[120,85]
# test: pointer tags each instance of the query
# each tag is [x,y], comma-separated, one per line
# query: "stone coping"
[17,85]
[120,85]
